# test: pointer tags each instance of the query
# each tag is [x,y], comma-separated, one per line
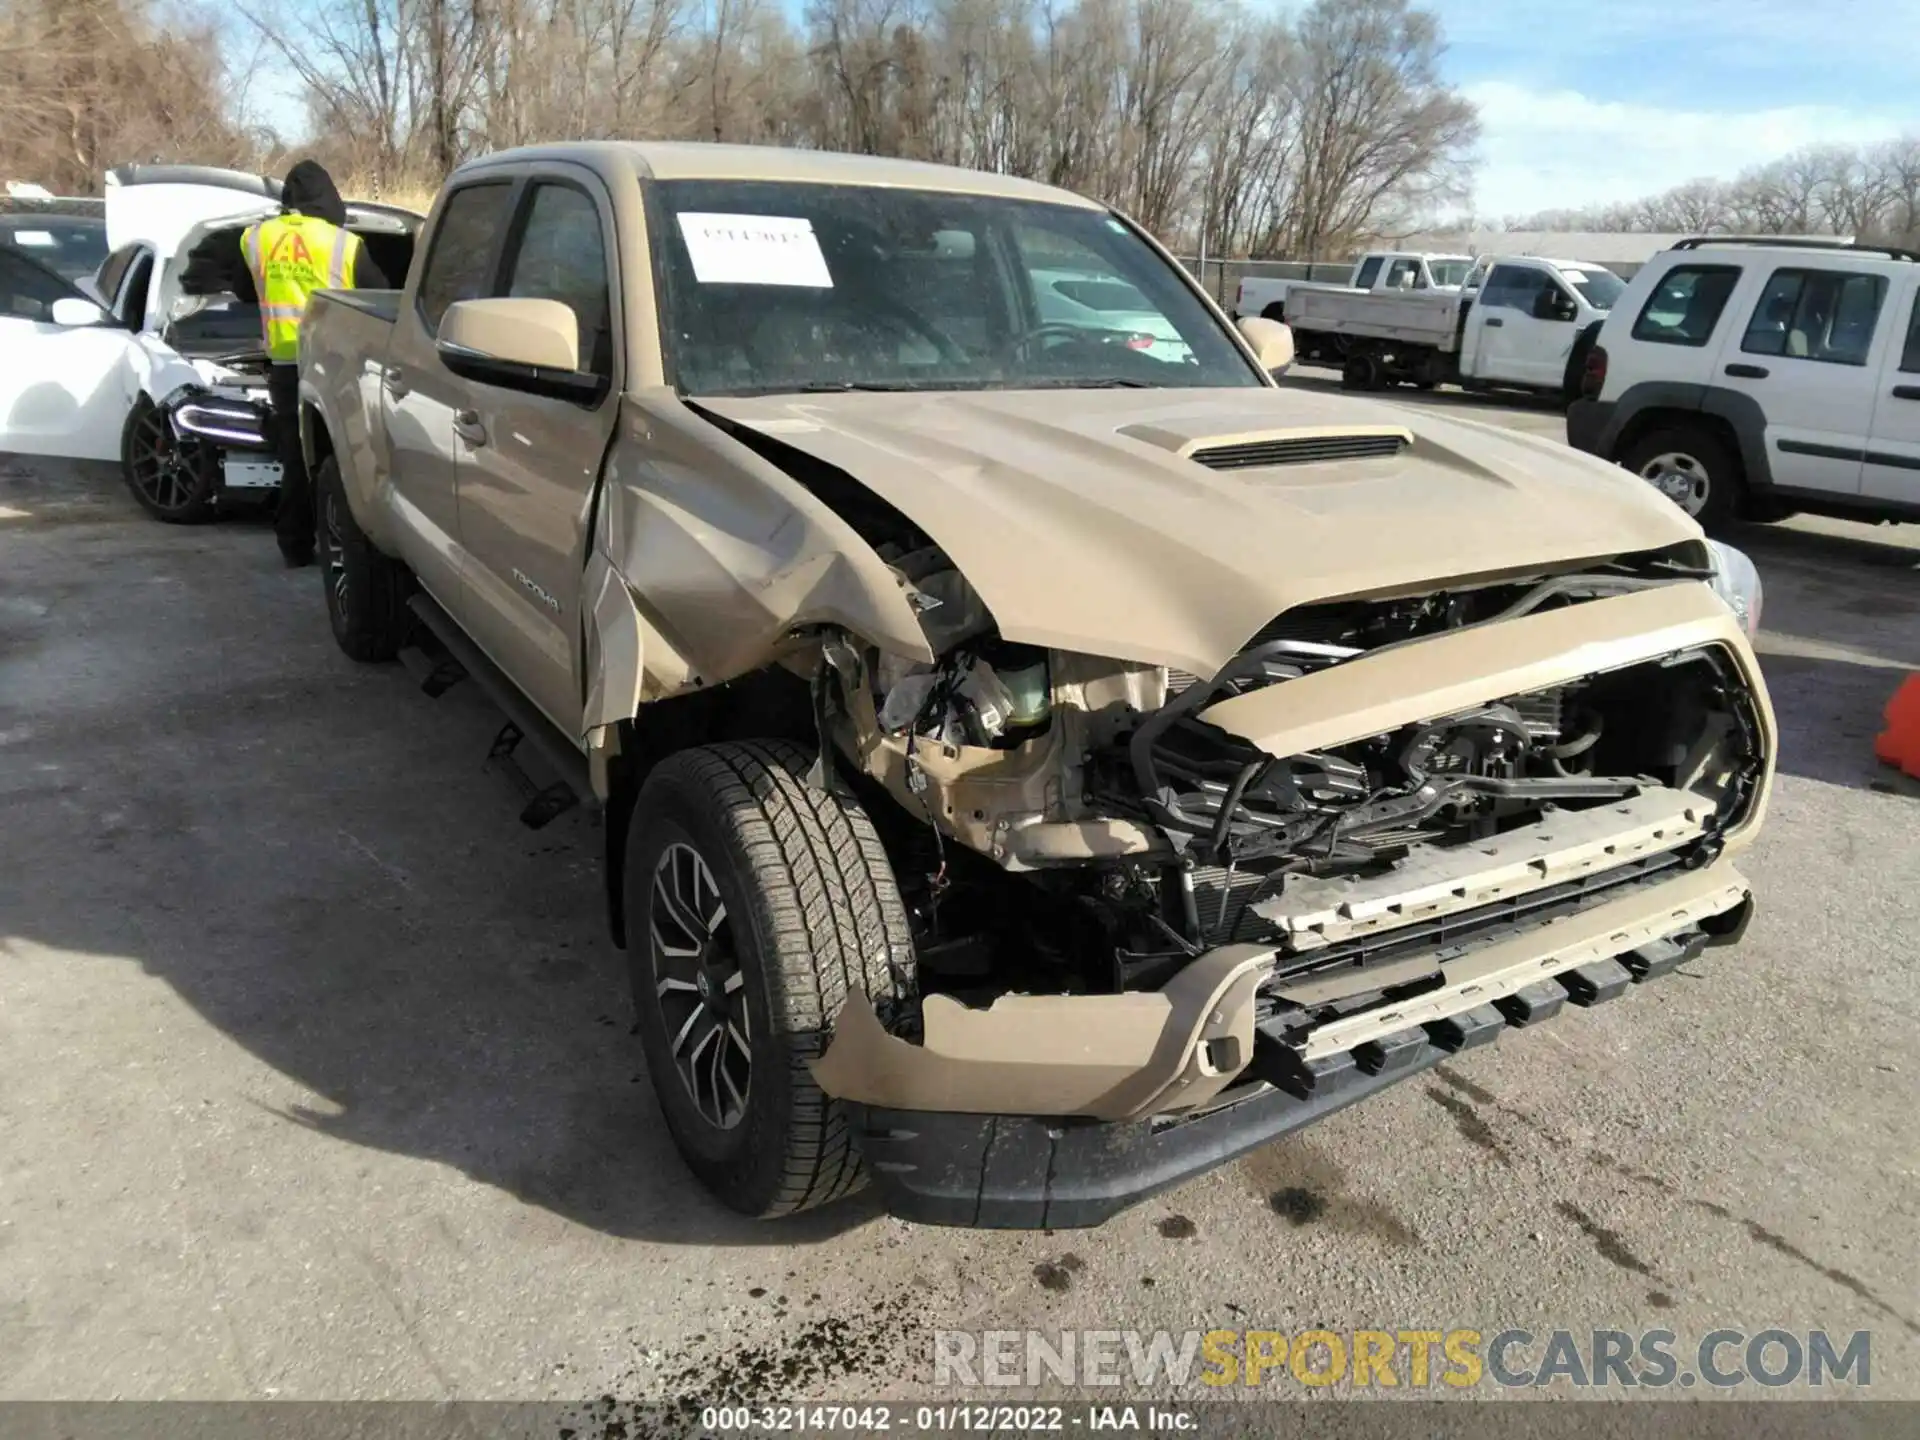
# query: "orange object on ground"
[1899,744]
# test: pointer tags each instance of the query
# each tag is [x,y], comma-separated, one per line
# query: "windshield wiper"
[1097,382]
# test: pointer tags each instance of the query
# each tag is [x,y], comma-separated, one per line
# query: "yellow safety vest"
[291,256]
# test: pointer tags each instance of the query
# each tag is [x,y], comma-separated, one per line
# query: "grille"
[1300,450]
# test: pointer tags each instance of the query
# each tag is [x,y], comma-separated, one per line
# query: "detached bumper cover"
[1012,1171]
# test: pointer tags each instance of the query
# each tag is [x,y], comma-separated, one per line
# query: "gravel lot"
[318,1082]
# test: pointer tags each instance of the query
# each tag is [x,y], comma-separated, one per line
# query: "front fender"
[706,557]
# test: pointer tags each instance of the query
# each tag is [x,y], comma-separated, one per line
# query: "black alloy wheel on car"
[175,480]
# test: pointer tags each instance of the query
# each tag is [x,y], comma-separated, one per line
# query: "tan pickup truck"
[1040,758]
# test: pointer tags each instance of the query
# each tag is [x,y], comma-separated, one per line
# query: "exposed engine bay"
[1109,831]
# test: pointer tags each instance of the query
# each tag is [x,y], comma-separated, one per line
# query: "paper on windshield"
[754,250]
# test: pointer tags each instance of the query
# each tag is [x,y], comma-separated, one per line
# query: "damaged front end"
[1383,827]
[222,427]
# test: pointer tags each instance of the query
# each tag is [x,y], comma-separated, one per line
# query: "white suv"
[1757,377]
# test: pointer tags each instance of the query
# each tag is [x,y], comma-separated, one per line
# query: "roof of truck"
[694,160]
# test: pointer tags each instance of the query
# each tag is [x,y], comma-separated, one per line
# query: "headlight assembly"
[1737,582]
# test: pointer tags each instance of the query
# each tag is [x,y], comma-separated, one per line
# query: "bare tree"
[1382,139]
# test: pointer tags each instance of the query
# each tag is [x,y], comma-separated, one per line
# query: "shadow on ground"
[312,856]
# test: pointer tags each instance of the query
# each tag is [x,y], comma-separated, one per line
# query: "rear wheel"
[1361,372]
[174,480]
[756,906]
[1693,468]
[366,591]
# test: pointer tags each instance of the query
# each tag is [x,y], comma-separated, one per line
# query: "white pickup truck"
[1377,272]
[1520,321]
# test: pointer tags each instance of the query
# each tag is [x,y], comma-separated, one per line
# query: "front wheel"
[174,480]
[366,591]
[756,905]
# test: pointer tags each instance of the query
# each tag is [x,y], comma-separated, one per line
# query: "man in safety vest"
[303,249]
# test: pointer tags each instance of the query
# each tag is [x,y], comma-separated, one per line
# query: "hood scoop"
[1262,449]
[1301,450]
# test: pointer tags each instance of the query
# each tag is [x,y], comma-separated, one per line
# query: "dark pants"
[293,520]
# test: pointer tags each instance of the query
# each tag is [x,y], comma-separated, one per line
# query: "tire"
[173,481]
[809,914]
[366,592]
[1361,372]
[1583,344]
[1275,311]
[1713,490]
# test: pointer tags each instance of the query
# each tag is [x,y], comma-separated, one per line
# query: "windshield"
[72,249]
[1450,272]
[1600,288]
[770,287]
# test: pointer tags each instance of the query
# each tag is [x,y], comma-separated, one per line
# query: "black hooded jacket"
[217,264]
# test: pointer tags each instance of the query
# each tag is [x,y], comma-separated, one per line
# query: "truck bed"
[1429,319]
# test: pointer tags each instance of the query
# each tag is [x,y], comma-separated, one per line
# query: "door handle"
[1906,392]
[394,382]
[1748,372]
[1494,322]
[466,424]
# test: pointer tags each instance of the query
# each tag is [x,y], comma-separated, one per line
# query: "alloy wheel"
[336,556]
[699,987]
[160,466]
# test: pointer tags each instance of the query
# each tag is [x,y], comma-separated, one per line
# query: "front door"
[1892,469]
[419,396]
[1502,342]
[1804,356]
[530,464]
[63,387]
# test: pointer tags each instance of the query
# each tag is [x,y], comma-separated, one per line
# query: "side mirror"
[1271,340]
[77,313]
[518,344]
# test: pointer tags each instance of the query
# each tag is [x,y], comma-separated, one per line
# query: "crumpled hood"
[1082,524]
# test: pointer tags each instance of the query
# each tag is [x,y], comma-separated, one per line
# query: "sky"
[1584,102]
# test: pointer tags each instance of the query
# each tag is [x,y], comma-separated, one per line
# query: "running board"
[525,724]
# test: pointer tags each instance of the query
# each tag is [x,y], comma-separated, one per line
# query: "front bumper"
[1018,1172]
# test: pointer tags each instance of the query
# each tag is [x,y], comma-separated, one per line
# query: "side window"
[1513,287]
[114,269]
[132,309]
[1402,274]
[562,255]
[1369,272]
[1685,305]
[464,245]
[27,291]
[1825,315]
[1910,356]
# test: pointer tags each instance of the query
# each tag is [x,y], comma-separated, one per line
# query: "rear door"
[63,388]
[1805,354]
[529,464]
[420,396]
[1892,467]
